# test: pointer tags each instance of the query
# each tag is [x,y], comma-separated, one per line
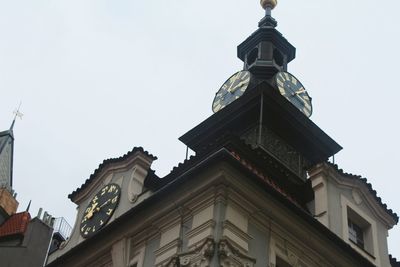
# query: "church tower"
[266,107]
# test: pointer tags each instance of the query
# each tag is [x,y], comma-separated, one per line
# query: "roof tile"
[369,186]
[107,162]
[393,261]
[15,225]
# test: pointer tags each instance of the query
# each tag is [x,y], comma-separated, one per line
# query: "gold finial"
[268,3]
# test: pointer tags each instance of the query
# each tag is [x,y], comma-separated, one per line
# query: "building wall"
[341,197]
[33,249]
[130,177]
[216,218]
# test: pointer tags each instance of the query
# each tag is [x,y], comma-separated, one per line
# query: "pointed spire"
[7,153]
[12,124]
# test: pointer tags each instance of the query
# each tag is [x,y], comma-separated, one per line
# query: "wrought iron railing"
[62,227]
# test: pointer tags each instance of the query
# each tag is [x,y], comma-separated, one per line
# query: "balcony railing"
[62,227]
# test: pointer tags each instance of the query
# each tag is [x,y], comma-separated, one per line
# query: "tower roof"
[6,157]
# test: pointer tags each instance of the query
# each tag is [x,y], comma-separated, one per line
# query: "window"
[360,231]
[356,234]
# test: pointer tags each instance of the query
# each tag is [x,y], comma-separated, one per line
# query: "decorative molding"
[201,228]
[366,196]
[201,201]
[137,257]
[292,258]
[243,236]
[136,181]
[229,256]
[104,260]
[356,196]
[200,256]
[119,252]
[108,178]
[171,245]
[296,254]
[136,159]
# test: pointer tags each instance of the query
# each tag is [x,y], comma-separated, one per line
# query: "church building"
[260,190]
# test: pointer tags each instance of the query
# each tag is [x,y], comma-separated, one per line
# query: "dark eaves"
[371,190]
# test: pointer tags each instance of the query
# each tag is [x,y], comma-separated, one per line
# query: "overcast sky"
[97,78]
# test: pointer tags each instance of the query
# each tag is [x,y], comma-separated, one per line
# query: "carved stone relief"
[229,256]
[357,196]
[293,259]
[135,186]
[198,257]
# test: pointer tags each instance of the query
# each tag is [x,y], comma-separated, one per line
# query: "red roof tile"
[16,224]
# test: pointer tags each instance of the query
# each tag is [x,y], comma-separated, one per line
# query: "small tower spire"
[7,153]
[266,52]
[268,20]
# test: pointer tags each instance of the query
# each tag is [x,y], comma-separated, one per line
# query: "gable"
[360,193]
[137,156]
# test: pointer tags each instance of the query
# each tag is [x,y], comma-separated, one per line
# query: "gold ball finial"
[268,3]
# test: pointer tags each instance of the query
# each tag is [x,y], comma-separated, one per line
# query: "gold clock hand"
[233,82]
[105,203]
[238,86]
[299,91]
[229,89]
[91,211]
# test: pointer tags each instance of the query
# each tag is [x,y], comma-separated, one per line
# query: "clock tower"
[265,108]
[258,192]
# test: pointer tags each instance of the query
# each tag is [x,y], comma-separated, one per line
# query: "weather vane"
[18,114]
[268,5]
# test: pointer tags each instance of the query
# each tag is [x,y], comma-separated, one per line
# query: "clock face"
[100,209]
[292,89]
[231,90]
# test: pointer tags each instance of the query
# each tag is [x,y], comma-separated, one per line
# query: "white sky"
[97,78]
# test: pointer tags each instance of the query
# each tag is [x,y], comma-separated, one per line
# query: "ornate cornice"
[229,256]
[198,257]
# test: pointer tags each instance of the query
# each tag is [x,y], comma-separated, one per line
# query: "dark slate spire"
[7,154]
[266,51]
[268,20]
[6,157]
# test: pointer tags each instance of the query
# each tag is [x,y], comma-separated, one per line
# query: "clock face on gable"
[99,210]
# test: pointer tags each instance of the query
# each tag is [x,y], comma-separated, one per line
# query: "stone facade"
[218,216]
[338,198]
